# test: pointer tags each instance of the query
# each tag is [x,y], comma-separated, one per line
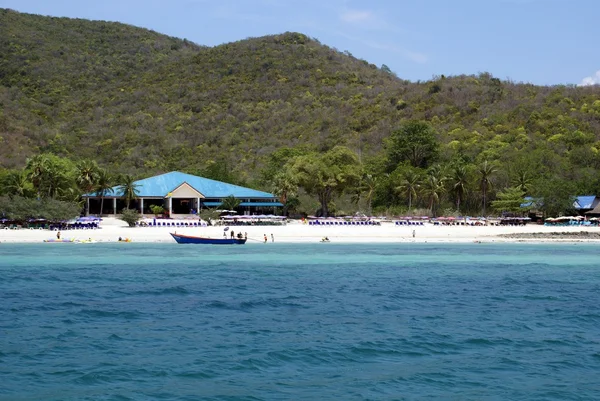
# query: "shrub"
[130,216]
[157,209]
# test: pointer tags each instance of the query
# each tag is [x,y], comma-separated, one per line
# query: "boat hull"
[188,239]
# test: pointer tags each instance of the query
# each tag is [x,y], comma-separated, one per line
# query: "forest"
[327,132]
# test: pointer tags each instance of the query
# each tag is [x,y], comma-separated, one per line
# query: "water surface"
[299,321]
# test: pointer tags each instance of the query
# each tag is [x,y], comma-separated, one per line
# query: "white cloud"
[593,80]
[356,16]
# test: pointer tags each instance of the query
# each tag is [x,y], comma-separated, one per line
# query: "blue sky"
[544,42]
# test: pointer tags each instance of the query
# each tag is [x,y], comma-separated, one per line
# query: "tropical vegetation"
[86,105]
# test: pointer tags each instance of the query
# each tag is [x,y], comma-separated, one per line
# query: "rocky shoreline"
[575,235]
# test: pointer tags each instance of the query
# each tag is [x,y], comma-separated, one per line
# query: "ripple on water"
[301,322]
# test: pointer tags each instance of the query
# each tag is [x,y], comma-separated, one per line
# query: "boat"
[188,239]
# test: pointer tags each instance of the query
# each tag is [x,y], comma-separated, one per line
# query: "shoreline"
[295,232]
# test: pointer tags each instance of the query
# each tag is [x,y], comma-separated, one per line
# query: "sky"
[544,42]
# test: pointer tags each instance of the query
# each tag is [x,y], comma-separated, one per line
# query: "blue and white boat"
[188,239]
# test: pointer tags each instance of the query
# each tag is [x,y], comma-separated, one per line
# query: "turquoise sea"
[299,322]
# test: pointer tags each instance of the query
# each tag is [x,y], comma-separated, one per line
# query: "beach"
[112,229]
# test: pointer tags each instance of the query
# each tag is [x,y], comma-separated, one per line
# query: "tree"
[87,175]
[415,142]
[37,168]
[103,187]
[285,187]
[19,208]
[459,183]
[230,203]
[50,175]
[130,216]
[554,196]
[366,186]
[16,183]
[486,171]
[129,189]
[434,187]
[410,184]
[327,174]
[509,200]
[522,180]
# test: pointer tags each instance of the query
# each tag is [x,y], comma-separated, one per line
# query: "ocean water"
[300,322]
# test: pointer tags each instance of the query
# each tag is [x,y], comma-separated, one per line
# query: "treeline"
[411,177]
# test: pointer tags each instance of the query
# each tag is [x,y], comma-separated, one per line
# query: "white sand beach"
[296,232]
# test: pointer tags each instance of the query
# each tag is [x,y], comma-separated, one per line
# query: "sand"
[111,229]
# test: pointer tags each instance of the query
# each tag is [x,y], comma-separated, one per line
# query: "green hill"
[141,102]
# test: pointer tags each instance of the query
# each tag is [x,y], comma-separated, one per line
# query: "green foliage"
[130,216]
[509,200]
[128,189]
[409,184]
[327,174]
[51,176]
[554,196]
[19,208]
[230,203]
[414,142]
[103,186]
[209,215]
[157,209]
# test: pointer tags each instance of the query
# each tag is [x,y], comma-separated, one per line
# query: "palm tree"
[230,203]
[285,187]
[87,174]
[37,167]
[522,180]
[18,184]
[58,182]
[103,186]
[409,184]
[459,183]
[486,171]
[367,187]
[433,188]
[129,189]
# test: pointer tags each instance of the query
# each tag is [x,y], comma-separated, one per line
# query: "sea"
[318,321]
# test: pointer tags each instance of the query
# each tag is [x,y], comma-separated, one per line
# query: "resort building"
[182,194]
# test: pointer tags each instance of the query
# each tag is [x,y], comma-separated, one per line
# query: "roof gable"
[185,190]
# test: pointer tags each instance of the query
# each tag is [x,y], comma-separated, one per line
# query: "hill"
[141,102]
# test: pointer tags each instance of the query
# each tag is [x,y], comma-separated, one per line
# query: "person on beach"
[272,238]
[58,235]
[265,237]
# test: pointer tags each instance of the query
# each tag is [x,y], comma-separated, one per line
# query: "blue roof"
[161,185]
[529,202]
[584,202]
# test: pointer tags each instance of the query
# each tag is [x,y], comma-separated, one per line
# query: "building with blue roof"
[181,193]
[585,203]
